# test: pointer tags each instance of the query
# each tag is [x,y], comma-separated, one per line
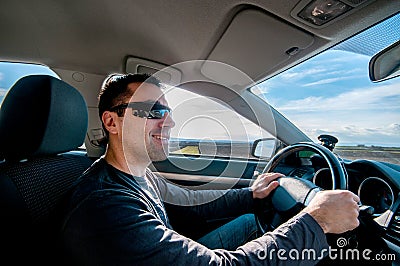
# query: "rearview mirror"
[385,64]
[264,148]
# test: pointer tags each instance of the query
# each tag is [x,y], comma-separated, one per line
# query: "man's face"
[144,138]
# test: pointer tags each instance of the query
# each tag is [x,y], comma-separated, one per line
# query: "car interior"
[50,132]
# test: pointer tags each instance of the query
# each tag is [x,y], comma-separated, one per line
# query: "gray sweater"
[114,218]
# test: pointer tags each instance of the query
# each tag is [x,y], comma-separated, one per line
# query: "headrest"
[41,115]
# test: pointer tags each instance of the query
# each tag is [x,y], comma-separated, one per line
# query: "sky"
[332,94]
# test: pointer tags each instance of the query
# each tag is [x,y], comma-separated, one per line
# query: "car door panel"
[208,172]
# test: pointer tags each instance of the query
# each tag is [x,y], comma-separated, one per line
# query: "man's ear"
[110,121]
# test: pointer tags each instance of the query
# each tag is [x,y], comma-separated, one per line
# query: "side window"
[209,128]
[11,72]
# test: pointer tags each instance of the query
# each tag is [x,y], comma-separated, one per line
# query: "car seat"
[43,121]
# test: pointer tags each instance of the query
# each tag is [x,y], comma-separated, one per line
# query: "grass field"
[243,150]
[386,154]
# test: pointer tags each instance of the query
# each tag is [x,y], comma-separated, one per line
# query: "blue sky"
[332,94]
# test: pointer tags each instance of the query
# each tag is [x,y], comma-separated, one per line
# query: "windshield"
[332,94]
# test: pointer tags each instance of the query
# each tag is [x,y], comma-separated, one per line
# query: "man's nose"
[167,121]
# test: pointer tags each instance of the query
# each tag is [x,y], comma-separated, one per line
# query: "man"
[116,214]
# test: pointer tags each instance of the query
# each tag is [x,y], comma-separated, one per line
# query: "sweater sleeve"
[205,203]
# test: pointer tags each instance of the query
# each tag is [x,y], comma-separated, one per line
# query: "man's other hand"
[264,184]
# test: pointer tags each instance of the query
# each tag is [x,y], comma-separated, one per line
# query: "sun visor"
[255,43]
[167,74]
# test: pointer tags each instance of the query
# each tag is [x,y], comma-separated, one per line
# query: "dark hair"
[114,90]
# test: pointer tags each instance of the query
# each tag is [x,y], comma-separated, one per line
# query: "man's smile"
[160,138]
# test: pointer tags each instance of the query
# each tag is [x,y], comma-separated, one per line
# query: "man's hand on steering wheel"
[336,211]
[265,184]
[293,193]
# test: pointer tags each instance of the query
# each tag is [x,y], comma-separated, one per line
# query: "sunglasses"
[143,109]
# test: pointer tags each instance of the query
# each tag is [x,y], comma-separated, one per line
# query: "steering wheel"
[295,193]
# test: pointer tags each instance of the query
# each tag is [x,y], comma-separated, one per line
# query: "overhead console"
[321,13]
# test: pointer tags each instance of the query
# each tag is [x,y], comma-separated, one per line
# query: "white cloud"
[3,92]
[345,59]
[356,117]
[354,135]
[382,97]
[371,128]
[295,75]
[329,80]
[329,68]
[395,128]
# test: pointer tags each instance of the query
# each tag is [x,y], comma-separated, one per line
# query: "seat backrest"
[42,120]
